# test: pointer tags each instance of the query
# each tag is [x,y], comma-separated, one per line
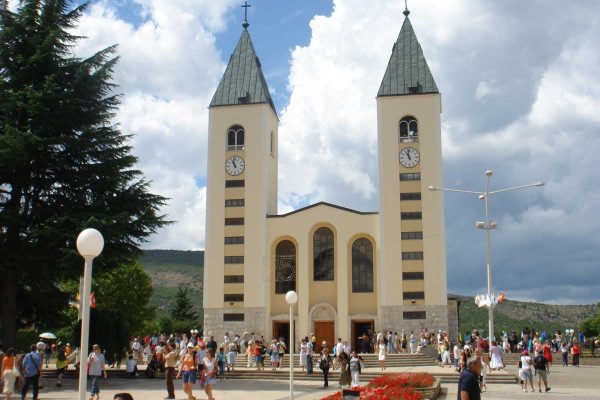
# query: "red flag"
[92,300]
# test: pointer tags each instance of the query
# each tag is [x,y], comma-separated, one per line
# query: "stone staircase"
[371,369]
[513,359]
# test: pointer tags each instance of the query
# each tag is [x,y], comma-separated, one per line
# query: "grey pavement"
[570,382]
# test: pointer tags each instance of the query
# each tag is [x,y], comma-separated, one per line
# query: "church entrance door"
[282,329]
[324,331]
[359,328]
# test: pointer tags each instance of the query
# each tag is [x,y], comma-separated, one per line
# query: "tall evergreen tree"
[64,164]
[183,309]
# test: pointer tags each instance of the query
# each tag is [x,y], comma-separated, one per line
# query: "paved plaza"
[580,383]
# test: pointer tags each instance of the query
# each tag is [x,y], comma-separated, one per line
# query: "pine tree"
[183,308]
[64,164]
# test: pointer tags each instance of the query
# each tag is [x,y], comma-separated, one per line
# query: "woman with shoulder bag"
[209,373]
[324,365]
[9,373]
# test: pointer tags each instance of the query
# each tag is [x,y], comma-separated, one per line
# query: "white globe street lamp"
[291,298]
[89,244]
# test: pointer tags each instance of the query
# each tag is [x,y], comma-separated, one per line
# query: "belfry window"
[323,252]
[235,138]
[409,130]
[362,266]
[285,267]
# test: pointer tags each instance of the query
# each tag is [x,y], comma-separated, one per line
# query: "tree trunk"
[8,312]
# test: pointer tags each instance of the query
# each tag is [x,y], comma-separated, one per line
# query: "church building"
[353,271]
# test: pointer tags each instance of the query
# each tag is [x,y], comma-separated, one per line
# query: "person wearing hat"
[526,368]
[188,369]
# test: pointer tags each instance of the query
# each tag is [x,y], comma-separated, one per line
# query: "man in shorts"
[541,367]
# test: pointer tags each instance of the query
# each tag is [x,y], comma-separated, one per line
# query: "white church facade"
[354,271]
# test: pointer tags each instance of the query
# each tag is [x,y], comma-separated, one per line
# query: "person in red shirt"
[547,354]
[576,352]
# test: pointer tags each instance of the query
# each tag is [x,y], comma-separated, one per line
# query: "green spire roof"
[243,81]
[407,71]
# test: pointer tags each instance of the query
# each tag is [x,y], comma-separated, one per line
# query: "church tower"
[413,275]
[241,192]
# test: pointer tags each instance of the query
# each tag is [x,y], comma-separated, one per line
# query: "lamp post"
[292,298]
[488,225]
[89,244]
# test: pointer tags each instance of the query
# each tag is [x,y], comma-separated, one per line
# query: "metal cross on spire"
[245,7]
[406,12]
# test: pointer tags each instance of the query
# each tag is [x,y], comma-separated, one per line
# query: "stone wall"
[254,321]
[453,304]
[392,318]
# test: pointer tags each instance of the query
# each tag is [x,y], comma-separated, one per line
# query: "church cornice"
[323,203]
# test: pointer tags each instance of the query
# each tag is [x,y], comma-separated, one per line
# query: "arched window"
[323,251]
[362,266]
[285,267]
[409,129]
[235,138]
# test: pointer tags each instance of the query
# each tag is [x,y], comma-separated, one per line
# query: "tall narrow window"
[272,144]
[409,130]
[285,267]
[235,138]
[362,266]
[323,252]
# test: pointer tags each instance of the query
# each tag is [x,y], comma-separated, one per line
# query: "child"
[221,360]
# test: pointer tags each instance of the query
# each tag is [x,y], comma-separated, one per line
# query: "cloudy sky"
[521,95]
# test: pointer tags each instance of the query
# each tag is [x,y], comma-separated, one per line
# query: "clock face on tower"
[409,157]
[234,165]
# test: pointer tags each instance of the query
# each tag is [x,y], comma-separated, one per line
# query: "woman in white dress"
[382,354]
[412,343]
[496,362]
[303,353]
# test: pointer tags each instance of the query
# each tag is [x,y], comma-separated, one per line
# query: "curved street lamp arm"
[457,190]
[517,187]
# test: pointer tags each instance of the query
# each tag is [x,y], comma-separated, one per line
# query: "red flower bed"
[381,393]
[415,380]
[392,387]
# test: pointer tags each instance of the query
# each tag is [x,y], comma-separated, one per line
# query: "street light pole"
[488,225]
[292,298]
[488,257]
[89,244]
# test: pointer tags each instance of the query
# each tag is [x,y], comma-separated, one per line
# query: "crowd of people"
[201,358]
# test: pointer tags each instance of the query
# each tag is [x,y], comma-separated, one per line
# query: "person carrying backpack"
[61,364]
[541,369]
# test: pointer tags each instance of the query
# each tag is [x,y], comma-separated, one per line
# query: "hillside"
[170,269]
[516,315]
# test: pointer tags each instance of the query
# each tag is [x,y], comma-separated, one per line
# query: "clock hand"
[233,162]
[408,155]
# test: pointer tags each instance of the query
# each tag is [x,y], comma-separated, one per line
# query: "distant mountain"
[170,269]
[516,315]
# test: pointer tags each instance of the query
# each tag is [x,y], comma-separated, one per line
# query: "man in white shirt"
[131,367]
[347,348]
[527,370]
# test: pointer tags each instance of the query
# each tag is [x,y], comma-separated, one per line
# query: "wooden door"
[324,331]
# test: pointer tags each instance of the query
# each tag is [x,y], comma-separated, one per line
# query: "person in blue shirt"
[31,370]
[468,383]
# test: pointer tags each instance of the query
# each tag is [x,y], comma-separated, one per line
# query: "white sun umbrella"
[48,335]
